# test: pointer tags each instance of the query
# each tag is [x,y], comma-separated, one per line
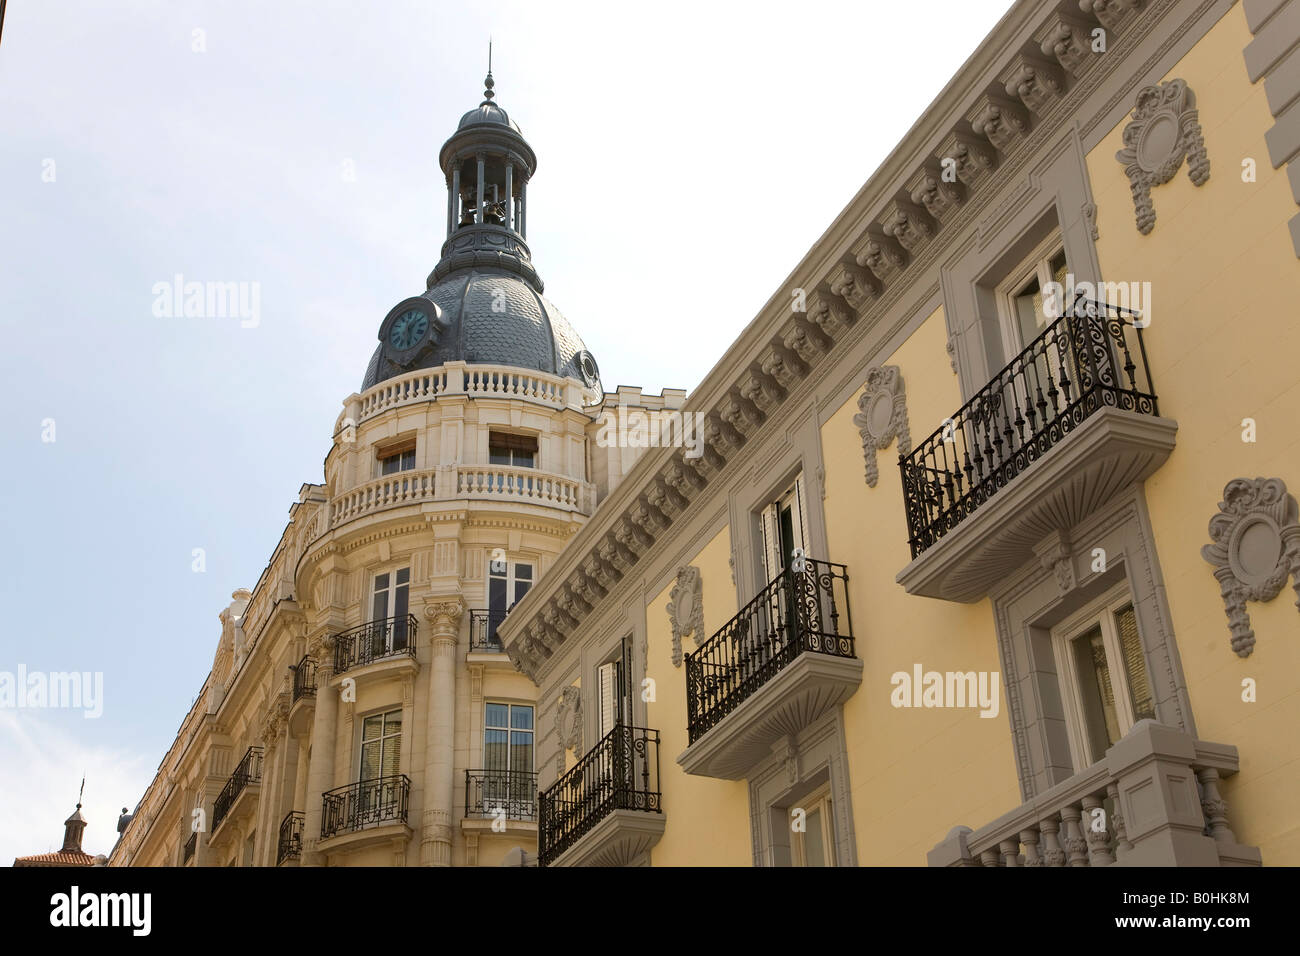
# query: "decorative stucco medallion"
[568,725]
[1255,548]
[1165,130]
[882,416]
[686,609]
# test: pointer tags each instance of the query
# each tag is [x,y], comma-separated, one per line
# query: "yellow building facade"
[990,552]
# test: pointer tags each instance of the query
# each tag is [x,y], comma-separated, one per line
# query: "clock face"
[408,330]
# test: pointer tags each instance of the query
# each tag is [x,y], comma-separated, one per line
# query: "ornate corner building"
[985,557]
[361,709]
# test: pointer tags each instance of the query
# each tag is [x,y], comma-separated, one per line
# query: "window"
[381,745]
[508,581]
[508,449]
[396,457]
[391,603]
[1024,310]
[782,524]
[508,737]
[1104,677]
[614,691]
[815,844]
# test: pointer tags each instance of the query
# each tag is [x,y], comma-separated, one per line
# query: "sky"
[689,155]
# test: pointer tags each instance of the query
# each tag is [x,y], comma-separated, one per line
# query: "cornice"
[892,247]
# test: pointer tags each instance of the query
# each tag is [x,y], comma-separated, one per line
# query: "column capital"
[444,612]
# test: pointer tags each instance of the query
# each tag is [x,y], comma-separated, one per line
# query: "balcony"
[483,632]
[1153,800]
[190,845]
[607,810]
[302,705]
[1070,423]
[289,846]
[776,667]
[390,638]
[365,813]
[239,791]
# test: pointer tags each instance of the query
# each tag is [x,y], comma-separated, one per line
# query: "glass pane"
[498,455]
[1096,692]
[521,588]
[408,460]
[392,755]
[496,593]
[496,715]
[371,727]
[521,718]
[387,466]
[1029,313]
[814,850]
[393,722]
[523,572]
[1139,686]
[404,576]
[494,750]
[370,760]
[524,459]
[521,750]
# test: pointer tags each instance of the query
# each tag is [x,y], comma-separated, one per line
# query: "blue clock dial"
[408,330]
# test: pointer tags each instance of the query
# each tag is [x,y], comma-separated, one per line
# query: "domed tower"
[483,303]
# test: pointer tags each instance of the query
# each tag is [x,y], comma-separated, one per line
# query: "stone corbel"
[760,389]
[1165,129]
[782,366]
[882,416]
[686,609]
[971,160]
[882,255]
[805,341]
[854,286]
[909,225]
[939,197]
[1035,83]
[1055,555]
[1111,14]
[1068,41]
[1255,547]
[998,121]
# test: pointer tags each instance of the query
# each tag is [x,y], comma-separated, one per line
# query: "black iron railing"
[803,609]
[190,845]
[304,678]
[248,771]
[374,641]
[483,630]
[620,773]
[491,793]
[1093,357]
[290,844]
[370,803]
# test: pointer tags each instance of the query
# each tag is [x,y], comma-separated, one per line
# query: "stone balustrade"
[472,381]
[453,482]
[1153,800]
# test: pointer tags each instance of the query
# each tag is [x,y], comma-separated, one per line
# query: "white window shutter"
[800,539]
[607,684]
[772,560]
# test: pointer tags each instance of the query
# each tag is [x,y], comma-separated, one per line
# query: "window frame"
[1036,265]
[361,742]
[1101,611]
[819,800]
[513,442]
[509,729]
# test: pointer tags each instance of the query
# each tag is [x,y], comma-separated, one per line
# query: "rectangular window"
[1104,677]
[614,691]
[396,456]
[381,745]
[782,526]
[814,845]
[505,448]
[389,611]
[508,737]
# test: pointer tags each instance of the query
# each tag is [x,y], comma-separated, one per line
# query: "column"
[510,195]
[451,208]
[455,197]
[320,774]
[523,209]
[478,212]
[439,785]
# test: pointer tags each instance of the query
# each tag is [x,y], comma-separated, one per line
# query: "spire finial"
[82,793]
[488,84]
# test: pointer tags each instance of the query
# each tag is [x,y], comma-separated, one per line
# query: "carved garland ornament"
[1255,548]
[686,609]
[568,725]
[882,416]
[1164,131]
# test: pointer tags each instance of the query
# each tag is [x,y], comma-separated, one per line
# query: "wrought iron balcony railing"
[304,678]
[799,611]
[248,771]
[489,793]
[190,846]
[620,773]
[290,844]
[375,641]
[483,630]
[370,803]
[1091,358]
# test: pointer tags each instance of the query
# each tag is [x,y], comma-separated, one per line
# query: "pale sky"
[689,154]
